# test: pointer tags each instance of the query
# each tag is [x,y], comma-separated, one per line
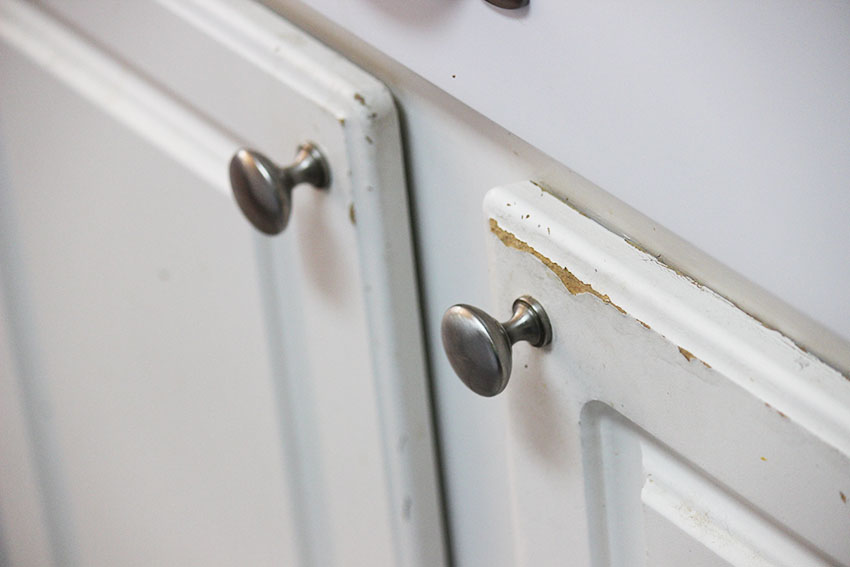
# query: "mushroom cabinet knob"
[479,347]
[264,191]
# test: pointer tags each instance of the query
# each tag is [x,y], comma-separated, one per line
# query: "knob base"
[529,323]
[309,167]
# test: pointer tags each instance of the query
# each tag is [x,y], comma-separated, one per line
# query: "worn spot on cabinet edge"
[574,285]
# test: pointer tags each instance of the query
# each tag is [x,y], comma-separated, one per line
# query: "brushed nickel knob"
[264,191]
[479,347]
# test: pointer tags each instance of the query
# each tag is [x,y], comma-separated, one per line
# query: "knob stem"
[529,323]
[309,167]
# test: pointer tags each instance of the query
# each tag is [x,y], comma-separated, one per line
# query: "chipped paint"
[574,285]
[359,98]
[843,497]
[690,356]
[767,405]
[687,354]
[639,248]
[352,216]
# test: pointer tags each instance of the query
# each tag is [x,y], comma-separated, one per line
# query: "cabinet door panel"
[185,390]
[662,426]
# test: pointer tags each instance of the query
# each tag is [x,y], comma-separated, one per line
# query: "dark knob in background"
[264,191]
[479,347]
[509,4]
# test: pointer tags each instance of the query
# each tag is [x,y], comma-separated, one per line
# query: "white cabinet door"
[662,426]
[175,388]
